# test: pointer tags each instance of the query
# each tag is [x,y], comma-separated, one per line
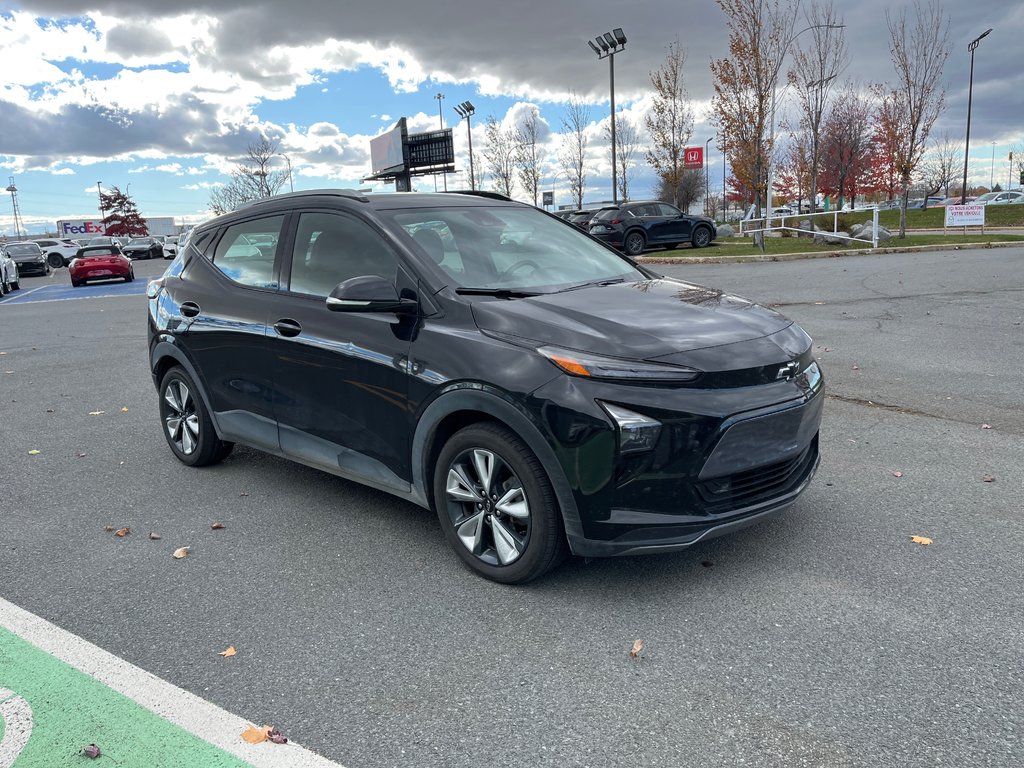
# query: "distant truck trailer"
[158,226]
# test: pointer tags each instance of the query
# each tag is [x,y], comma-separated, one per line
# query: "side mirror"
[369,293]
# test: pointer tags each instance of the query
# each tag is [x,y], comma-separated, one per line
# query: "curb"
[819,254]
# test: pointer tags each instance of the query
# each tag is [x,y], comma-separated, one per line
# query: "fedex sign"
[78,227]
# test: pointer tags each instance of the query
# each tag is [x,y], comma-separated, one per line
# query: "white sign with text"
[965,215]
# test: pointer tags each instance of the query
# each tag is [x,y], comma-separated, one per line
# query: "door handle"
[287,327]
[190,309]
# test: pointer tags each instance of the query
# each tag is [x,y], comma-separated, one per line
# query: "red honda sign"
[693,157]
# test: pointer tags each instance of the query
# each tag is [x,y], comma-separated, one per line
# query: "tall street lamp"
[607,45]
[99,194]
[467,110]
[707,176]
[970,91]
[440,116]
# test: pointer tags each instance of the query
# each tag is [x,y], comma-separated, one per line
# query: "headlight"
[636,431]
[600,367]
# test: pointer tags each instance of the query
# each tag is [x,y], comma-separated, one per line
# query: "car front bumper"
[31,268]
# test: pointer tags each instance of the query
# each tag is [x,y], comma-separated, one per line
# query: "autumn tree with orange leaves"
[760,31]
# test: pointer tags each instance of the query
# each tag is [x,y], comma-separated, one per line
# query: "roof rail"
[351,194]
[480,193]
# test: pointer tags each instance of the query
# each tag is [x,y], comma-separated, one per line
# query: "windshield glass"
[515,248]
[140,241]
[23,249]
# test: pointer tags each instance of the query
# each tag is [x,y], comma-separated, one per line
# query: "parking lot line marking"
[16,719]
[23,294]
[198,717]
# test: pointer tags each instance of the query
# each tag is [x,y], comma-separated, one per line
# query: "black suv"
[481,358]
[632,227]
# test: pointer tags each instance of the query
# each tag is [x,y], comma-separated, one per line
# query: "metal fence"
[766,224]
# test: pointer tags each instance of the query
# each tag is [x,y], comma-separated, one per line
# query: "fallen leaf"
[96,413]
[897,473]
[125,409]
[122,532]
[986,426]
[638,646]
[80,455]
[229,651]
[154,536]
[277,737]
[217,526]
[49,410]
[243,493]
[180,552]
[921,540]
[255,735]
[854,367]
[91,751]
[988,478]
[33,452]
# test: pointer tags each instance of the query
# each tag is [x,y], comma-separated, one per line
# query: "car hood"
[648,319]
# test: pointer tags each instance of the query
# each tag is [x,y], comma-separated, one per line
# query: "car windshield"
[22,249]
[510,248]
[140,241]
[89,253]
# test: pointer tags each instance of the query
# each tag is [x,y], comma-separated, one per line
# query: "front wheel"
[55,260]
[701,237]
[634,244]
[496,505]
[187,425]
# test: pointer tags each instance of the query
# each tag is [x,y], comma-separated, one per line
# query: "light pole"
[440,116]
[607,45]
[291,184]
[970,92]
[707,177]
[467,110]
[992,172]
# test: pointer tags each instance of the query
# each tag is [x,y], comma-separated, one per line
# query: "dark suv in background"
[632,227]
[533,387]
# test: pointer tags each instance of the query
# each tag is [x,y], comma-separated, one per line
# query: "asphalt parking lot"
[826,637]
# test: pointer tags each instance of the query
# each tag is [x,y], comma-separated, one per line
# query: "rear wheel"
[55,260]
[634,244]
[188,428]
[77,283]
[496,505]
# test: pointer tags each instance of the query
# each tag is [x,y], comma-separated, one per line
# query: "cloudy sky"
[165,95]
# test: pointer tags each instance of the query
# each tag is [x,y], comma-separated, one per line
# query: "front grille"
[753,486]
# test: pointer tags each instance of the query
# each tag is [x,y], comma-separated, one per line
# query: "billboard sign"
[80,228]
[387,151]
[693,157]
[965,215]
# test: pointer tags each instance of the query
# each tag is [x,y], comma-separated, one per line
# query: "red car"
[100,262]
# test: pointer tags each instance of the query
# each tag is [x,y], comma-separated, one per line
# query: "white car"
[58,252]
[9,278]
[1000,198]
[170,246]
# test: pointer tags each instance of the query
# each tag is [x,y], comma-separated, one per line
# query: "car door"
[341,390]
[223,301]
[670,224]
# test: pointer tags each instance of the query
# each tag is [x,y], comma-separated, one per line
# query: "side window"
[664,209]
[333,247]
[245,252]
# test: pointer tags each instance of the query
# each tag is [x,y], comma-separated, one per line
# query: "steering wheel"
[519,265]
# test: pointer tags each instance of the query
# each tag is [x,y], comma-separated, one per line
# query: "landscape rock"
[726,230]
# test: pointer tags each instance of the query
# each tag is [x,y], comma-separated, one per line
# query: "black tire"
[634,243]
[4,289]
[186,423]
[514,533]
[77,283]
[130,276]
[55,260]
[16,284]
[701,237]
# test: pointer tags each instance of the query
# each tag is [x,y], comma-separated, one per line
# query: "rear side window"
[245,252]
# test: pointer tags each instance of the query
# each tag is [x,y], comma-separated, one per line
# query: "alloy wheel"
[487,506]
[181,420]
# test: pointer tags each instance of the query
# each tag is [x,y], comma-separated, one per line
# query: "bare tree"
[573,157]
[529,155]
[627,141]
[252,179]
[815,69]
[942,167]
[670,121]
[760,31]
[919,51]
[500,155]
[689,190]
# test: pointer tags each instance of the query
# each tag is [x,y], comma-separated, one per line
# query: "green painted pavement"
[69,710]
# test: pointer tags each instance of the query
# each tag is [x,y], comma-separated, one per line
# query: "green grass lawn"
[743,246]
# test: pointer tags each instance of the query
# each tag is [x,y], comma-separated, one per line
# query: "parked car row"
[90,262]
[635,226]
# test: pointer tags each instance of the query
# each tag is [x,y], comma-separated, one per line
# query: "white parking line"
[16,719]
[186,710]
[22,295]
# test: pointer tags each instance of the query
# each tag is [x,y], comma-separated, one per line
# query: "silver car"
[9,278]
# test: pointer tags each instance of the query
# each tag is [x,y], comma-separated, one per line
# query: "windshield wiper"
[501,293]
[593,283]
